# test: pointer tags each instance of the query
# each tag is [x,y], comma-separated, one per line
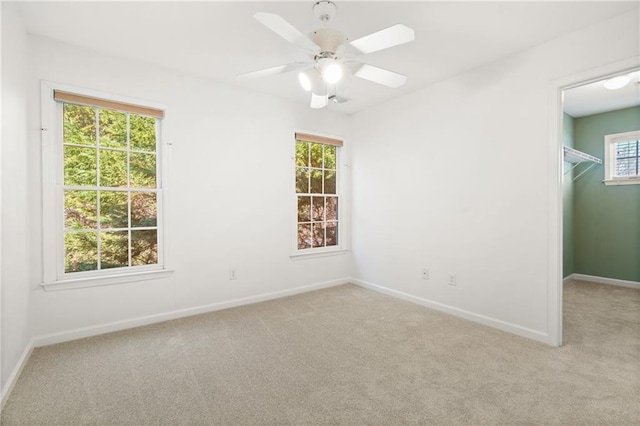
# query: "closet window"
[622,158]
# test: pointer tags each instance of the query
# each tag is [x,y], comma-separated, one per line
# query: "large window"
[317,193]
[622,158]
[105,206]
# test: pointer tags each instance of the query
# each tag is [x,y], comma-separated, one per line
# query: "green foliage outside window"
[110,182]
[316,188]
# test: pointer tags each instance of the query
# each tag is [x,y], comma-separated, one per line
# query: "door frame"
[555,180]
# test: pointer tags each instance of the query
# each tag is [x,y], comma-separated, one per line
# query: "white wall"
[229,191]
[16,248]
[455,178]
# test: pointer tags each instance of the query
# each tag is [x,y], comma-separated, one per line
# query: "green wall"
[567,203]
[606,219]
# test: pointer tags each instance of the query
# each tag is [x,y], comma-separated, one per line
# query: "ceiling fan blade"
[285,30]
[381,76]
[383,39]
[261,73]
[319,101]
[280,69]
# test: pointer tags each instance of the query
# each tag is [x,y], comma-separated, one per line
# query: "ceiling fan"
[332,55]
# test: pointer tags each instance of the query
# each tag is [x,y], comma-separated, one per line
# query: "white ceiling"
[594,98]
[221,39]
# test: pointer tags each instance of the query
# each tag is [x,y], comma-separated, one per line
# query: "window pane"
[329,157]
[332,234]
[144,209]
[317,210]
[113,168]
[316,181]
[318,234]
[331,208]
[144,247]
[114,249]
[79,124]
[80,252]
[626,167]
[627,158]
[142,133]
[626,149]
[79,166]
[113,156]
[302,180]
[319,178]
[304,209]
[316,154]
[143,170]
[114,211]
[302,154]
[304,236]
[329,181]
[113,129]
[80,209]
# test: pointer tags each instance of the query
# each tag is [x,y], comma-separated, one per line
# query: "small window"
[102,189]
[317,194]
[622,158]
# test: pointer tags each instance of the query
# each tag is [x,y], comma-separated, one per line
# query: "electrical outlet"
[232,274]
[425,274]
[453,280]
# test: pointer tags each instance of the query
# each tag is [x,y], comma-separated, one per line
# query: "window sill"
[316,254]
[616,182]
[106,280]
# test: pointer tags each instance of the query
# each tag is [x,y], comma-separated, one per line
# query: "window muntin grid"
[110,189]
[627,162]
[317,197]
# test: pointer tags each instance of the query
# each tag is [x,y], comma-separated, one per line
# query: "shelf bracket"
[584,171]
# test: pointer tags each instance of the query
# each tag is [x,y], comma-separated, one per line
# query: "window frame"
[54,276]
[610,142]
[315,252]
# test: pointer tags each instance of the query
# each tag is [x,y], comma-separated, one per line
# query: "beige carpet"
[344,355]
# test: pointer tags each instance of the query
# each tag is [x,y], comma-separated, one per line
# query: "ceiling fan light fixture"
[617,82]
[305,81]
[329,66]
[332,73]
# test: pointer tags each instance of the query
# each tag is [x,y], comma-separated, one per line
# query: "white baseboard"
[95,330]
[604,280]
[13,377]
[471,316]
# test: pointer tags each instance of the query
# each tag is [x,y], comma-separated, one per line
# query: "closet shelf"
[576,158]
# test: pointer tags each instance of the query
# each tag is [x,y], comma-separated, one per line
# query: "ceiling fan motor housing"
[328,39]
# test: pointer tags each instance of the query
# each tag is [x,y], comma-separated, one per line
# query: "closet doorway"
[600,247]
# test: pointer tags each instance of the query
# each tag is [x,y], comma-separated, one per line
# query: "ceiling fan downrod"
[324,10]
